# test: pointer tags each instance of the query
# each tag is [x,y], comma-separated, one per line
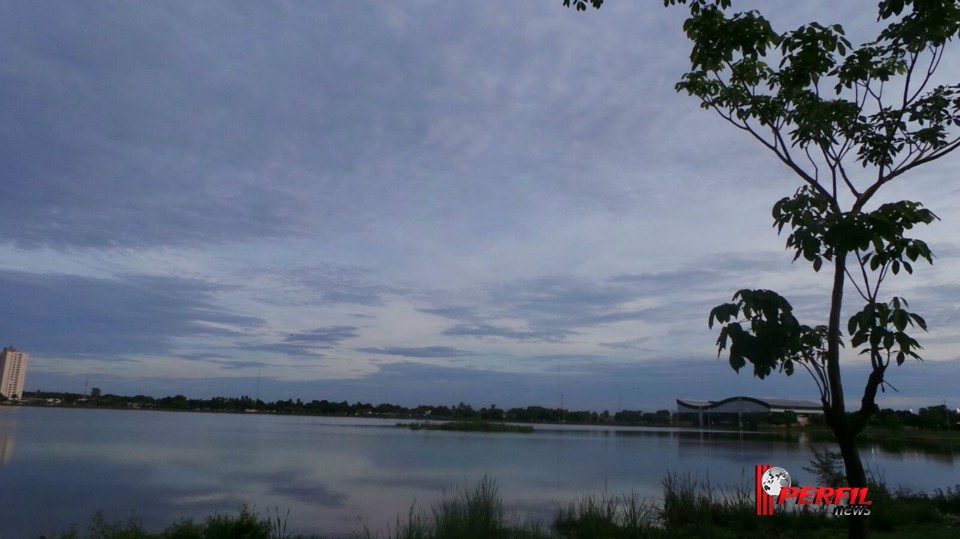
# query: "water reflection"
[337,475]
[6,448]
[8,426]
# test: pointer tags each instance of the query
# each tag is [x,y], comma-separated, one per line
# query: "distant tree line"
[461,411]
[930,418]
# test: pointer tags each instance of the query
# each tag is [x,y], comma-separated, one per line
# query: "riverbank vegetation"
[689,508]
[932,419]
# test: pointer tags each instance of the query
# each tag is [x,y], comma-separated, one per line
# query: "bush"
[245,525]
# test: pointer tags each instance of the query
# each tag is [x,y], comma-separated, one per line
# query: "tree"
[845,121]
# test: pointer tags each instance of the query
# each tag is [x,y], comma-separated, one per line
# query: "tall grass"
[628,516]
[697,505]
[694,508]
[690,508]
[247,524]
[472,513]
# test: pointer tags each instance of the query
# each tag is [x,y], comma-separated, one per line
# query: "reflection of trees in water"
[934,449]
[734,443]
[938,450]
[931,446]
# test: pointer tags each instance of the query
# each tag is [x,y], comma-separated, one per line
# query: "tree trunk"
[856,476]
[835,410]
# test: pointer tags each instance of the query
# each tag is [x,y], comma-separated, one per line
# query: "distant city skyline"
[417,203]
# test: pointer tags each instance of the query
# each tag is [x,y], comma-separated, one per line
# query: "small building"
[733,410]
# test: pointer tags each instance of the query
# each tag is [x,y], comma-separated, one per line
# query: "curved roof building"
[725,410]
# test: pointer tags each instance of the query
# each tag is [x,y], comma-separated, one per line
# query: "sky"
[419,203]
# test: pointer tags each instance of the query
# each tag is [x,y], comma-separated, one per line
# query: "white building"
[733,410]
[13,370]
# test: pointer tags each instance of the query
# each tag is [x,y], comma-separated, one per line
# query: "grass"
[469,426]
[246,524]
[690,508]
[627,516]
[474,513]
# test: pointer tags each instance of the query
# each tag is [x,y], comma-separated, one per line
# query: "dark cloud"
[556,307]
[287,349]
[166,124]
[322,285]
[227,362]
[452,312]
[418,352]
[664,282]
[550,296]
[632,344]
[73,316]
[568,363]
[930,301]
[332,284]
[734,264]
[119,135]
[649,314]
[323,336]
[201,357]
[488,330]
[238,365]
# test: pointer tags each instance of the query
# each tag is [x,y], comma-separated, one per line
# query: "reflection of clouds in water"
[294,484]
[429,482]
[335,478]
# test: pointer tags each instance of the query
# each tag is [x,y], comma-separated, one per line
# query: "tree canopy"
[846,120]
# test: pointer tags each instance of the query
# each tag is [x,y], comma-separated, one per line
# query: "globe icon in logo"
[774,479]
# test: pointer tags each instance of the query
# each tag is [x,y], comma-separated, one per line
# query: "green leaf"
[900,319]
[919,321]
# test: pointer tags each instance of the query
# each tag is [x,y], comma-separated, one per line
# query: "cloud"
[558,295]
[287,349]
[323,336]
[452,312]
[201,357]
[240,185]
[341,284]
[488,330]
[418,352]
[632,344]
[71,316]
[557,307]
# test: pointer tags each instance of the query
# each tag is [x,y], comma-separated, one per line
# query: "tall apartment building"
[13,369]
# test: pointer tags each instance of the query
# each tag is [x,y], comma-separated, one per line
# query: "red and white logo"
[773,484]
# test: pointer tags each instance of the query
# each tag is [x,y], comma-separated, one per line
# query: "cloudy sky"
[417,202]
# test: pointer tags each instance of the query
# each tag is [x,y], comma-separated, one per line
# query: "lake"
[336,475]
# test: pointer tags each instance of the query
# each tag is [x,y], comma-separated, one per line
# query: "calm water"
[336,475]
